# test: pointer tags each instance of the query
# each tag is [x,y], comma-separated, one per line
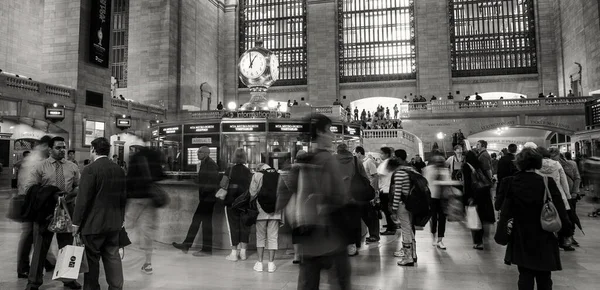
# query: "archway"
[499,138]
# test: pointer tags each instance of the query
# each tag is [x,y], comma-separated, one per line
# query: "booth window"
[376,40]
[492,37]
[120,34]
[281,24]
[93,130]
[192,155]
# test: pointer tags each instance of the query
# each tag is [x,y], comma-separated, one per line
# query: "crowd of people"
[323,198]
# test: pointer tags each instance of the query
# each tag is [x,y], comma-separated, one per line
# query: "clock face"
[252,64]
[274,65]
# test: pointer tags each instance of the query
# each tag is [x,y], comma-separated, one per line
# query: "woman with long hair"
[530,247]
[239,181]
[478,196]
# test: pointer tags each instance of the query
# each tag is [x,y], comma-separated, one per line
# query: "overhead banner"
[244,127]
[201,128]
[100,33]
[289,128]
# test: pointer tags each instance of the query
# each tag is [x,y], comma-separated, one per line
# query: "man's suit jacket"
[100,204]
[506,167]
[208,178]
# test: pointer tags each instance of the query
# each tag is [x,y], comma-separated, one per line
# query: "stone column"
[153,66]
[322,47]
[434,75]
[229,54]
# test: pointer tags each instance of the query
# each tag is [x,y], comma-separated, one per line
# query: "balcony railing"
[417,108]
[37,90]
[132,106]
[388,134]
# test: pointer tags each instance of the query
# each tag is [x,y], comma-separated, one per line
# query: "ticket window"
[253,145]
[171,151]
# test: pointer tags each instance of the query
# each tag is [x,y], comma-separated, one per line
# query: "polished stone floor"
[458,267]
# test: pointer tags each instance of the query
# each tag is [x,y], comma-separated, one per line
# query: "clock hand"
[252,60]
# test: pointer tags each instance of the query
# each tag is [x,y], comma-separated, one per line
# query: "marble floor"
[458,267]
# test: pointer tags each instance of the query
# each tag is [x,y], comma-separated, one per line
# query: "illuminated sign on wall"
[203,140]
[155,133]
[286,127]
[55,113]
[171,130]
[336,129]
[201,128]
[244,127]
[352,131]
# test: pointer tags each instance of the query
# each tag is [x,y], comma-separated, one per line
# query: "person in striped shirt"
[401,187]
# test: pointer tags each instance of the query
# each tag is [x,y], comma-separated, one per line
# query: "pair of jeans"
[204,216]
[24,249]
[42,238]
[105,246]
[438,218]
[369,216]
[527,277]
[385,207]
[310,271]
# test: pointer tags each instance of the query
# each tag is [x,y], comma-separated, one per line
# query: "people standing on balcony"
[355,113]
[405,99]
[450,96]
[570,94]
[433,98]
[478,97]
[295,103]
[370,211]
[416,99]
[289,103]
[369,116]
[363,115]
[396,111]
[551,95]
[384,174]
[541,96]
[387,113]
[467,98]
[220,106]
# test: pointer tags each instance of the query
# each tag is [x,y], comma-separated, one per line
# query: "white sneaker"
[147,269]
[400,253]
[271,267]
[243,256]
[258,267]
[441,245]
[232,257]
[352,250]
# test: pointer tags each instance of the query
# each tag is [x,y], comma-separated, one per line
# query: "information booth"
[197,135]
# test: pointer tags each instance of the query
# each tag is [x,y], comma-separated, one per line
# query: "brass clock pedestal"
[258,100]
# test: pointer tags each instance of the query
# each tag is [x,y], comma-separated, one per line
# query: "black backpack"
[419,197]
[360,186]
[267,196]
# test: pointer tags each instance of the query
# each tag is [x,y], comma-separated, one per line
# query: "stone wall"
[21,37]
[578,41]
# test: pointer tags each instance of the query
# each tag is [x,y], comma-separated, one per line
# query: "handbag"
[250,214]
[68,263]
[473,221]
[160,198]
[224,186]
[549,217]
[360,186]
[61,220]
[502,236]
[478,179]
[15,208]
[242,202]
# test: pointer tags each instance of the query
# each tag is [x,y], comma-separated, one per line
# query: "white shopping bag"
[473,221]
[68,263]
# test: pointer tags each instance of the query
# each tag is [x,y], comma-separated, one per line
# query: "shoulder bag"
[224,186]
[549,217]
[360,186]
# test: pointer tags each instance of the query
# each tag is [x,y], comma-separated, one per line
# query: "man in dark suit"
[208,178]
[99,215]
[506,164]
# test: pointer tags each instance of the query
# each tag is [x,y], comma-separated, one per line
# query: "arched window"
[492,37]
[281,24]
[376,40]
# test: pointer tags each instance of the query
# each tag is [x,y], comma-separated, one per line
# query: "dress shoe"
[372,239]
[183,247]
[574,242]
[72,285]
[23,275]
[389,233]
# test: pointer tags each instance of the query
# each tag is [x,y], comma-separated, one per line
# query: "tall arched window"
[120,35]
[492,37]
[377,40]
[281,24]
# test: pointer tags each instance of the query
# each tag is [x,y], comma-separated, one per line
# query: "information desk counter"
[176,217]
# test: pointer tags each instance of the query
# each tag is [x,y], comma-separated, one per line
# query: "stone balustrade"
[24,88]
[132,106]
[388,134]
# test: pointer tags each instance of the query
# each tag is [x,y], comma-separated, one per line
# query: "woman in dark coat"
[239,182]
[481,198]
[531,248]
